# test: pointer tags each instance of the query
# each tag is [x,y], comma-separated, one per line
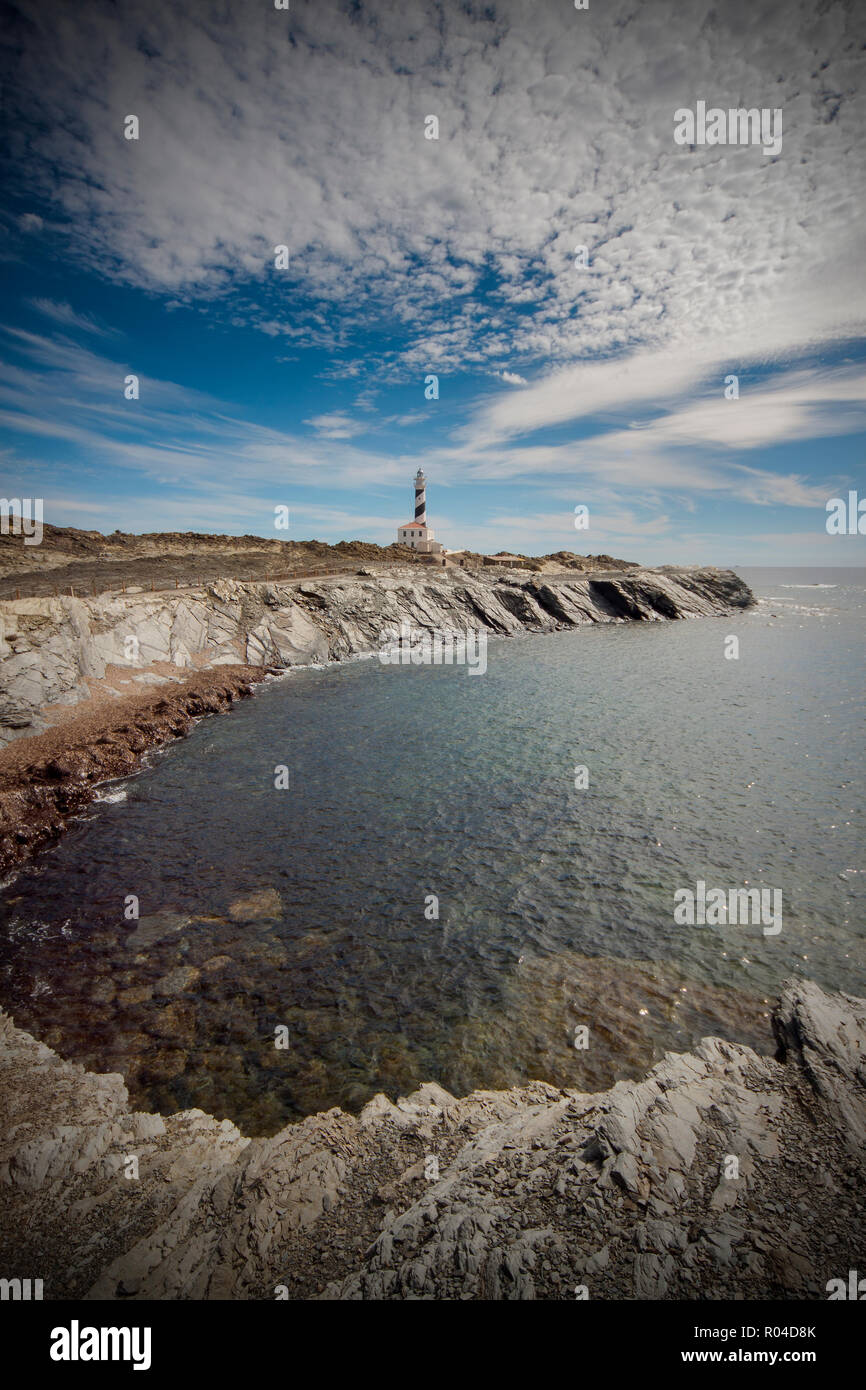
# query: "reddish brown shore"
[49,778]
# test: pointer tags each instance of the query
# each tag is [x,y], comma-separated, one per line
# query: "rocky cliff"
[52,648]
[722,1174]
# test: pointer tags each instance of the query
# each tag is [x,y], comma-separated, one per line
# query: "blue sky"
[559,385]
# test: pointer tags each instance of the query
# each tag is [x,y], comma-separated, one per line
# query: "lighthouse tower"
[416,533]
[420,498]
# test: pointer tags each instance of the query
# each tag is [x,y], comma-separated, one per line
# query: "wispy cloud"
[336,426]
[65,315]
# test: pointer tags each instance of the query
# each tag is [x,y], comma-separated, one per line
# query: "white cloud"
[556,130]
[336,426]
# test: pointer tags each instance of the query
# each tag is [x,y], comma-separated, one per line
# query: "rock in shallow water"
[176,981]
[266,903]
[155,927]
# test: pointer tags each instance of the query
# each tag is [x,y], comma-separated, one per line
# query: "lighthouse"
[416,533]
[420,498]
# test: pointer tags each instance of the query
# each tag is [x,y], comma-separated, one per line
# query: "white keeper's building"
[417,534]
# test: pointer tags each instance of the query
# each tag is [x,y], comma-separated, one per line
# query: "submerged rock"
[255,906]
[215,964]
[176,981]
[155,927]
[174,1021]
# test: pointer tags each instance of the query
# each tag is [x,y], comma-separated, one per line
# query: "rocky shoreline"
[139,668]
[49,779]
[723,1174]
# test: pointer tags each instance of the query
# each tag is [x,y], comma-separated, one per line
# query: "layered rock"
[722,1174]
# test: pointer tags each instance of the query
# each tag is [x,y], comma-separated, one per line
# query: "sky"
[565,378]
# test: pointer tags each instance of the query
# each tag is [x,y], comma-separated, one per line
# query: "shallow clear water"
[555,905]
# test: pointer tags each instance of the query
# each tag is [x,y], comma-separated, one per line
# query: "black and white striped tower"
[420,498]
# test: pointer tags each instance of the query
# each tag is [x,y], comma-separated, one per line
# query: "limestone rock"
[535,1190]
